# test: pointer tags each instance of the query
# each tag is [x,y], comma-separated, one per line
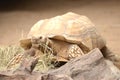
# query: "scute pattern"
[69,27]
[74,51]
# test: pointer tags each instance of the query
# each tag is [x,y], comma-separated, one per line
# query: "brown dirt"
[16,18]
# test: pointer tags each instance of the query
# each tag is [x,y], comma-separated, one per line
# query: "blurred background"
[18,16]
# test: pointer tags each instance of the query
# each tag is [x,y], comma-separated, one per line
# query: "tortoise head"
[39,40]
[33,42]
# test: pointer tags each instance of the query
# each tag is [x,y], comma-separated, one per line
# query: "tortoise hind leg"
[108,54]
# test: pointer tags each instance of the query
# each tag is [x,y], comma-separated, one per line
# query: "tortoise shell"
[69,27]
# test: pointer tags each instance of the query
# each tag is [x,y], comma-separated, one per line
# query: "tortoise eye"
[40,37]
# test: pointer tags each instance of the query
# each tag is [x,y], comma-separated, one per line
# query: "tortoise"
[69,36]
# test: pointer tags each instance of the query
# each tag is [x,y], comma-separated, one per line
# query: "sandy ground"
[16,18]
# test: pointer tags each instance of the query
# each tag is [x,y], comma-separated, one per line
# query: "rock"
[91,66]
[55,77]
[24,71]
[26,66]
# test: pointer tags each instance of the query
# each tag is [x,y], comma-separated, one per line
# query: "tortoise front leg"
[74,51]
